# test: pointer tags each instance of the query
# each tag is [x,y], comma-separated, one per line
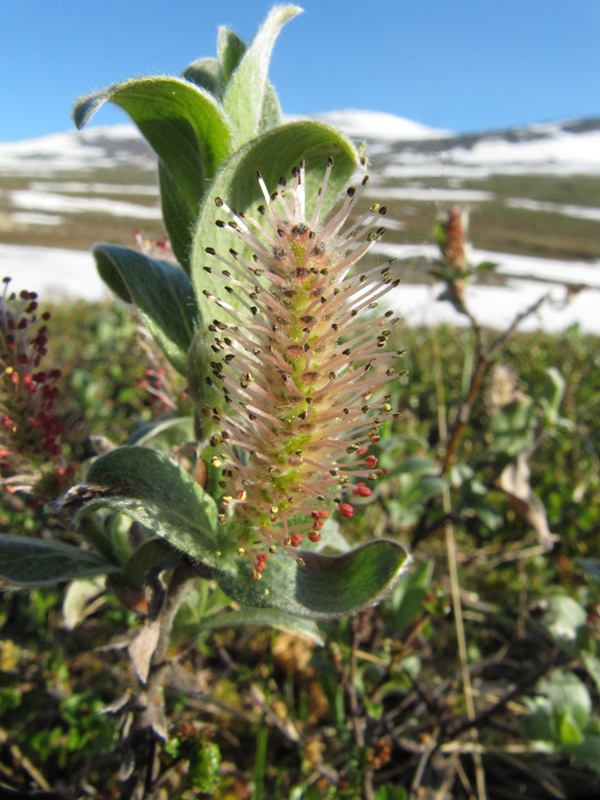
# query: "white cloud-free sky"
[450,64]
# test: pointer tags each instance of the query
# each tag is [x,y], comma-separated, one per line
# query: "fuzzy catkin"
[300,364]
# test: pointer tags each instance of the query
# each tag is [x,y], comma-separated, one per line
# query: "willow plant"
[282,339]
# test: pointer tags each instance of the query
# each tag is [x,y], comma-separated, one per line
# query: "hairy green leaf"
[162,292]
[244,97]
[271,114]
[324,587]
[178,218]
[184,124]
[156,492]
[263,616]
[199,370]
[407,598]
[205,73]
[25,563]
[230,50]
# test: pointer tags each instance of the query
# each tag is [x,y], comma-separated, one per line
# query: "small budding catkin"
[300,362]
[30,430]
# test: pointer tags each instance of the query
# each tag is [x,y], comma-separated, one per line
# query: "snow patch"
[548,271]
[498,306]
[430,195]
[561,154]
[34,218]
[52,272]
[379,126]
[528,279]
[579,212]
[578,150]
[55,273]
[72,150]
[47,201]
[80,187]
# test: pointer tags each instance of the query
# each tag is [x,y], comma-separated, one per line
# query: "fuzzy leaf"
[162,292]
[407,598]
[178,218]
[25,563]
[205,73]
[271,111]
[156,492]
[326,586]
[274,153]
[230,50]
[213,75]
[245,94]
[198,370]
[263,617]
[184,124]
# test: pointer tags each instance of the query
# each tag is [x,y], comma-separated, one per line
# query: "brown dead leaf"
[514,481]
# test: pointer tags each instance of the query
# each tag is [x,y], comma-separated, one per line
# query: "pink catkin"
[300,364]
[29,395]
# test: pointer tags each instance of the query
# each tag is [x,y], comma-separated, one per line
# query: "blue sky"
[462,65]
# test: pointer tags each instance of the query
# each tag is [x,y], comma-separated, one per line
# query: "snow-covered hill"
[570,147]
[404,147]
[61,193]
[377,126]
[98,148]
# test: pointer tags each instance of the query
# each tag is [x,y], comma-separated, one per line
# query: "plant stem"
[451,545]
[483,360]
[175,593]
[358,721]
[462,647]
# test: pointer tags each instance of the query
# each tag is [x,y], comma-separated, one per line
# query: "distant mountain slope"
[378,126]
[99,148]
[534,190]
[570,147]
